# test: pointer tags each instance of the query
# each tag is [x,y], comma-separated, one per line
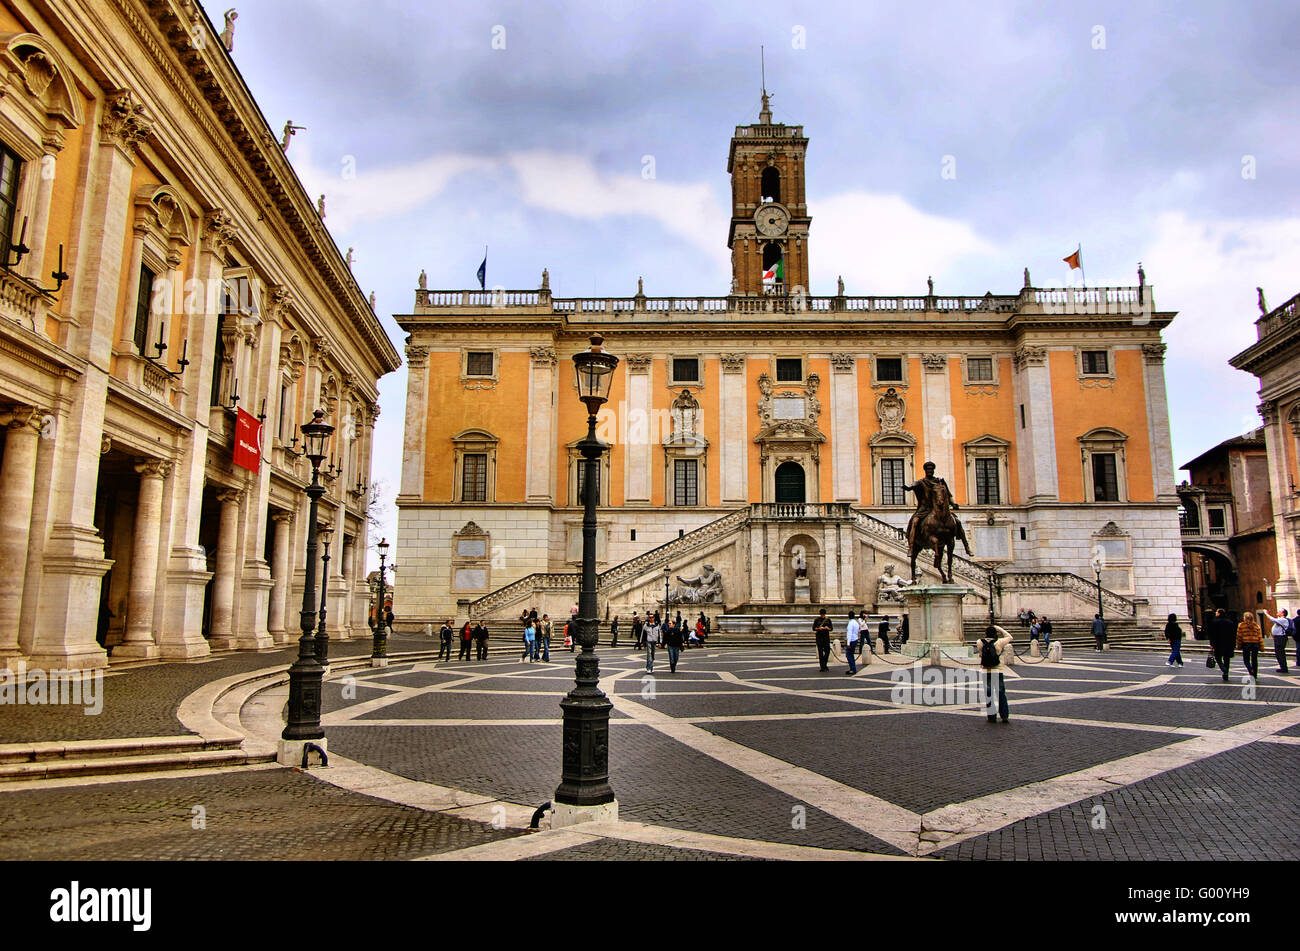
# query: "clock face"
[771,220]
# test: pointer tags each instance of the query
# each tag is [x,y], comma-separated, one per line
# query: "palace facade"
[163,270]
[768,428]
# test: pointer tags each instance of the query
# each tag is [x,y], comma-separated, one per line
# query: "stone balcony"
[1278,318]
[1031,301]
[22,301]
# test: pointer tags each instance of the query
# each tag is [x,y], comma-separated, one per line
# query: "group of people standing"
[1226,638]
[1040,626]
[857,635]
[473,637]
[674,635]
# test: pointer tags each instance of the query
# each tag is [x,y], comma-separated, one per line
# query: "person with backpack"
[650,636]
[990,648]
[1249,641]
[1281,631]
[445,637]
[1174,635]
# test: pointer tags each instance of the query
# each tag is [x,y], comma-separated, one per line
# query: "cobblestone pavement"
[142,701]
[740,754]
[275,814]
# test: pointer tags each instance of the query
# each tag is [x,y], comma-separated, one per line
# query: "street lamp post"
[379,655]
[667,574]
[994,583]
[584,792]
[303,720]
[1096,567]
[322,636]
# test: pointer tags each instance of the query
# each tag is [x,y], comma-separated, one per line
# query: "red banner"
[248,441]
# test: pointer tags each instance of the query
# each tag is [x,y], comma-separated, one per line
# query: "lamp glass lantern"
[383,548]
[314,436]
[594,370]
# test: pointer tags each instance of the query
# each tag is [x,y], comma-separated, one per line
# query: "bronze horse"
[939,529]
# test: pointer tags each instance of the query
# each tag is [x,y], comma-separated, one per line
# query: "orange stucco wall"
[993,414]
[1078,409]
[868,423]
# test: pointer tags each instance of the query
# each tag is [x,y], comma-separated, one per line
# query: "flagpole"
[1083,273]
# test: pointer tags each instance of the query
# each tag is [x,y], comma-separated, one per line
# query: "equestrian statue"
[933,524]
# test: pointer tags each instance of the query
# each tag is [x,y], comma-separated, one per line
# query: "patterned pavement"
[748,754]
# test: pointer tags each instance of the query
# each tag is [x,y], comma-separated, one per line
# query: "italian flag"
[776,272]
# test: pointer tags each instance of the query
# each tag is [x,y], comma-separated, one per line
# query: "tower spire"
[765,114]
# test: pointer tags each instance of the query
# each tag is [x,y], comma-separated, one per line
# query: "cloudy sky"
[1163,135]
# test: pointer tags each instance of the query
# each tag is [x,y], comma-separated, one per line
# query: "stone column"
[74,563]
[34,266]
[280,575]
[1037,455]
[126,344]
[1286,588]
[541,424]
[417,370]
[1162,461]
[637,456]
[17,485]
[940,434]
[223,592]
[845,432]
[734,442]
[139,640]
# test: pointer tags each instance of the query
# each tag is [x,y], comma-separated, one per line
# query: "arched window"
[772,252]
[790,482]
[771,184]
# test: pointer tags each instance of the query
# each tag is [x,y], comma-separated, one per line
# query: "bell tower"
[769,216]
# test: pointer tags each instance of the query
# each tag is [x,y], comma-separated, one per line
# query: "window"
[686,370]
[889,370]
[1218,521]
[143,298]
[686,482]
[633,535]
[891,482]
[986,482]
[1096,362]
[789,370]
[479,363]
[475,472]
[218,360]
[1189,518]
[284,398]
[770,184]
[979,369]
[1022,415]
[1024,534]
[582,484]
[474,477]
[10,173]
[1105,481]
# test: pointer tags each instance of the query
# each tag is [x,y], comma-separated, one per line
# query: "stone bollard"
[877,648]
[1008,656]
[428,630]
[1034,649]
[1054,653]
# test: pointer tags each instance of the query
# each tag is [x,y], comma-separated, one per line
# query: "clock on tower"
[769,216]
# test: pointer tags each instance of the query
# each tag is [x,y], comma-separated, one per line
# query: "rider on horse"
[932,495]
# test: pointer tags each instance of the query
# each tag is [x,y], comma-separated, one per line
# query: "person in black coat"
[822,630]
[1223,640]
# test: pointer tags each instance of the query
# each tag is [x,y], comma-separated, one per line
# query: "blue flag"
[482,274]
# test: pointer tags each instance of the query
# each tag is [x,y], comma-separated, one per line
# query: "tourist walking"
[864,633]
[1281,631]
[466,639]
[1174,635]
[884,634]
[904,632]
[445,636]
[1223,640]
[650,637]
[990,648]
[851,642]
[637,627]
[530,643]
[673,641]
[1249,641]
[1045,629]
[1035,632]
[388,619]
[613,632]
[1099,631]
[481,639]
[546,638]
[822,631]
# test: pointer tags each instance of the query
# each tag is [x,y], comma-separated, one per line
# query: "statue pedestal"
[936,622]
[802,592]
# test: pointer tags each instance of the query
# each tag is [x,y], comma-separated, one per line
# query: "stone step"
[128,764]
[44,751]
